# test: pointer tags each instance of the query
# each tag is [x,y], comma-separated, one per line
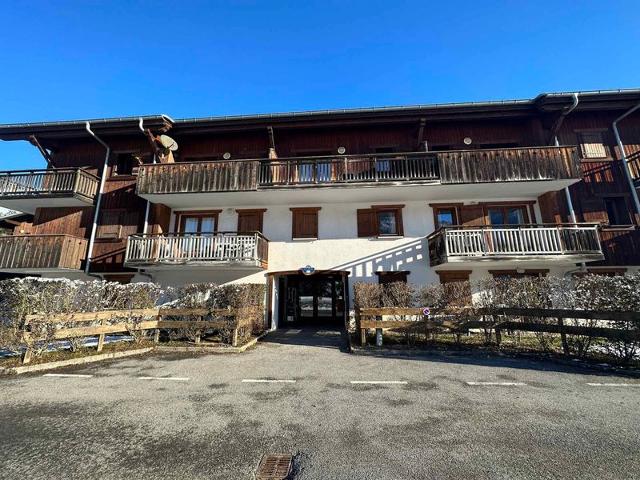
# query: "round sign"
[307,270]
[426,311]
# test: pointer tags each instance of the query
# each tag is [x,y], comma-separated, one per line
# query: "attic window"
[592,145]
[126,163]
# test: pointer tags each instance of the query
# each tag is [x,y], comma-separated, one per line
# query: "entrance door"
[317,299]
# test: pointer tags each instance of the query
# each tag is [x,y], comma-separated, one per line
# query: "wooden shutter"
[110,224]
[250,220]
[367,223]
[592,145]
[305,222]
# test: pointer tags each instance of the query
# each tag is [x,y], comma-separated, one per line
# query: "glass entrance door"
[314,300]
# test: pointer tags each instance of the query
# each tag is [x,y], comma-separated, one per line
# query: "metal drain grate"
[274,467]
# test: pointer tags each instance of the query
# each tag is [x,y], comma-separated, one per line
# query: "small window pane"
[515,216]
[387,223]
[496,216]
[208,225]
[446,217]
[191,225]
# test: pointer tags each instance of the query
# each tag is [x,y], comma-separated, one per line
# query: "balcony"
[569,242]
[41,253]
[222,249]
[517,171]
[60,187]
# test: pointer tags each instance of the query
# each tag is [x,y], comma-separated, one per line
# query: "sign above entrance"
[307,270]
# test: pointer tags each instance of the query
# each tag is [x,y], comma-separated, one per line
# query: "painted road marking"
[496,384]
[614,384]
[175,379]
[378,382]
[263,380]
[65,375]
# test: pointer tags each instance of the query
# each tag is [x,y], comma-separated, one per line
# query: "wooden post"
[363,337]
[379,333]
[234,339]
[101,339]
[156,335]
[498,336]
[26,357]
[563,338]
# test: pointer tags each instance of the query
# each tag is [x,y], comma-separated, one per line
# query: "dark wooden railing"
[198,177]
[405,167]
[42,252]
[183,248]
[459,243]
[452,167]
[56,182]
[509,165]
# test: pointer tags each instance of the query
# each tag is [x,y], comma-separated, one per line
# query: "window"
[125,163]
[446,216]
[250,220]
[508,215]
[305,222]
[392,277]
[199,222]
[380,221]
[117,223]
[592,145]
[617,211]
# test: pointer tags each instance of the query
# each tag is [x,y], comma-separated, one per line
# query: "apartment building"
[311,202]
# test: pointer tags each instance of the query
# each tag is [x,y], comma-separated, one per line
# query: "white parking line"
[65,375]
[496,384]
[263,380]
[175,379]
[378,382]
[614,384]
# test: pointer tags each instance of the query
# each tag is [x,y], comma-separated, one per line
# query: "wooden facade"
[450,144]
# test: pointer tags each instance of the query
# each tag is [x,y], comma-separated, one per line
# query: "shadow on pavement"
[310,336]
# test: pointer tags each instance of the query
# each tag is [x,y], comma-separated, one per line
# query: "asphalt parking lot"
[179,416]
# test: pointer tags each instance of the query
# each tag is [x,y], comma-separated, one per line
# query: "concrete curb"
[73,361]
[107,356]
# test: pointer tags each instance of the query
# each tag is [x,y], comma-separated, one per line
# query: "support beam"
[423,122]
[36,143]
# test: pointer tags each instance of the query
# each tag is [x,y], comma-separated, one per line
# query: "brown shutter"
[250,220]
[592,145]
[305,222]
[367,223]
[472,215]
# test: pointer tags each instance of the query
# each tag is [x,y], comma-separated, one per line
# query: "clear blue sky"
[65,60]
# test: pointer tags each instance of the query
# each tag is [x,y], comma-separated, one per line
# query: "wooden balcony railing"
[460,243]
[198,177]
[509,165]
[463,166]
[249,249]
[56,182]
[406,167]
[42,252]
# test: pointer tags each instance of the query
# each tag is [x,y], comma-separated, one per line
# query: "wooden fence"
[127,321]
[459,320]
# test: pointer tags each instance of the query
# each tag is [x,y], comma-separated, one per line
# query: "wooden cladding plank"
[220,176]
[511,164]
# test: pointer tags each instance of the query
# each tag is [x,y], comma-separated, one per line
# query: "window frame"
[375,211]
[200,214]
[626,211]
[136,162]
[387,277]
[251,211]
[585,152]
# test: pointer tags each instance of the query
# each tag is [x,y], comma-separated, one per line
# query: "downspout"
[103,179]
[567,194]
[623,157]
[148,207]
[554,132]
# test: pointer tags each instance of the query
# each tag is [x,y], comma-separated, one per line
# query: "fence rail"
[495,241]
[135,320]
[461,319]
[50,182]
[181,248]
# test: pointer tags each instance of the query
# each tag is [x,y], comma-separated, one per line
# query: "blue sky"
[67,60]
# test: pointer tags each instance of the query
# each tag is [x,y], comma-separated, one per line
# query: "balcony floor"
[29,204]
[509,260]
[339,193]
